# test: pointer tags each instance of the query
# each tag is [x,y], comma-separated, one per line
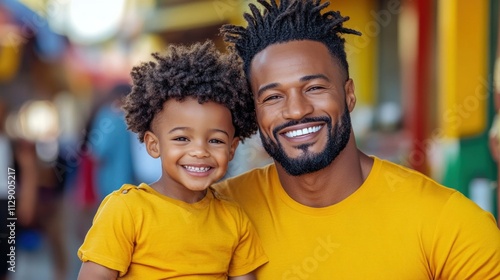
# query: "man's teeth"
[304,131]
[196,169]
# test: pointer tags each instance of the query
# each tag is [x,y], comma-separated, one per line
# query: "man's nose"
[297,106]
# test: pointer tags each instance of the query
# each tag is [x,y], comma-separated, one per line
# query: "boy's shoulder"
[130,192]
[129,188]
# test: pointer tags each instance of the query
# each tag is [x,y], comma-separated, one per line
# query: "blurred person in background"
[40,205]
[86,190]
[6,162]
[108,142]
[494,145]
[29,54]
[494,142]
[494,136]
[111,156]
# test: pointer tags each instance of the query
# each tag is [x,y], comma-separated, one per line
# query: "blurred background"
[424,74]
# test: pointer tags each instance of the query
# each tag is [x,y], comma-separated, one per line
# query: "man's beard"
[310,162]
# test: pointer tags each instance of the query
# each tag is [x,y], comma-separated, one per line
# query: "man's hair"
[200,72]
[290,20]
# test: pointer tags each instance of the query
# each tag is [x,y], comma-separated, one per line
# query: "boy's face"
[195,143]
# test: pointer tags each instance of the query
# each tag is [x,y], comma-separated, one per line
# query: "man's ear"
[232,149]
[350,96]
[152,144]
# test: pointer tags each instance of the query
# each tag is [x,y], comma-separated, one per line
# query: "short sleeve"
[249,253]
[466,242]
[110,240]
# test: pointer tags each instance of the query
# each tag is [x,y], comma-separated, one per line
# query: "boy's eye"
[180,139]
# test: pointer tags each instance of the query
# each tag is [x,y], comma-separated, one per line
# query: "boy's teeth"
[196,169]
[304,131]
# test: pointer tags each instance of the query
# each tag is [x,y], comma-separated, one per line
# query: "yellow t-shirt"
[398,225]
[146,235]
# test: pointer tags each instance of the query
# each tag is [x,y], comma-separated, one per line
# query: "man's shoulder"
[398,179]
[399,172]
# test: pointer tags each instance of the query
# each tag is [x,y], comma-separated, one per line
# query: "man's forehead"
[294,60]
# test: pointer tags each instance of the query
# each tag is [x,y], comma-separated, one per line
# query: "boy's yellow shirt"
[146,235]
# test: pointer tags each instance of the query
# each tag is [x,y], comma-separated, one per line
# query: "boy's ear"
[152,144]
[232,149]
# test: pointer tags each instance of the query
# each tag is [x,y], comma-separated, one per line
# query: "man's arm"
[93,271]
[466,242]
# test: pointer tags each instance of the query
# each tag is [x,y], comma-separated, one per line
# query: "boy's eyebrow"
[189,128]
[302,79]
[178,128]
[220,130]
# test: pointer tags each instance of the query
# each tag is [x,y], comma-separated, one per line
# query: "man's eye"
[313,88]
[271,97]
[216,141]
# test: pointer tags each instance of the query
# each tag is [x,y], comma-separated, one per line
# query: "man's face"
[303,101]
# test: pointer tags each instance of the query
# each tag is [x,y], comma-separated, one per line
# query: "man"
[324,209]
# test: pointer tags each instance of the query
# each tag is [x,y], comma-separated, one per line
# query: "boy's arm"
[249,276]
[92,271]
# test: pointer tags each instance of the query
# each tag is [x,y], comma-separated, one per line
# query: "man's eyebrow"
[315,76]
[302,79]
[266,87]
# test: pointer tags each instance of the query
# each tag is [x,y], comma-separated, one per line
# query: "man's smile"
[304,131]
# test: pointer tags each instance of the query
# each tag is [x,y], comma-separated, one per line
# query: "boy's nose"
[199,151]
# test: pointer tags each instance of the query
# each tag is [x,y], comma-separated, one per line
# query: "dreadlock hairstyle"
[287,21]
[200,72]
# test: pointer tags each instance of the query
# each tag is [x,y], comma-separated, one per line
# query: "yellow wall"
[462,62]
[361,50]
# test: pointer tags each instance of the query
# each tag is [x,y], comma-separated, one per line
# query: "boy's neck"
[185,195]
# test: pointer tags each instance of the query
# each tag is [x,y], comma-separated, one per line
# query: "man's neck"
[333,183]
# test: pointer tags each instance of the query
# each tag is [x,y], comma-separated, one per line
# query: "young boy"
[187,109]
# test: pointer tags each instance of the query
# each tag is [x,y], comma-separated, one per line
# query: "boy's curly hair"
[288,21]
[199,71]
